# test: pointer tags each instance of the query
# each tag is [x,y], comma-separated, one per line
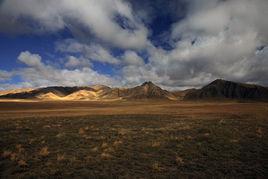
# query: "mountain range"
[216,90]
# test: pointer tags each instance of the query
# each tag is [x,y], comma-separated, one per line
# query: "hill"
[147,90]
[13,91]
[44,93]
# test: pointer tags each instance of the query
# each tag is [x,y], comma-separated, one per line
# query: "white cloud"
[74,62]
[33,60]
[132,58]
[93,52]
[6,86]
[39,74]
[217,39]
[98,53]
[5,75]
[96,16]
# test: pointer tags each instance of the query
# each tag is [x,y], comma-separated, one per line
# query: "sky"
[176,44]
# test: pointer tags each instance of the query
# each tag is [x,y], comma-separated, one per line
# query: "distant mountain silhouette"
[220,89]
[216,90]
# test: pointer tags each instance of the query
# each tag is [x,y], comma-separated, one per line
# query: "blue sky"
[177,44]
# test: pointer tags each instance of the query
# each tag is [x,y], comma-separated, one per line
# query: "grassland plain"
[133,139]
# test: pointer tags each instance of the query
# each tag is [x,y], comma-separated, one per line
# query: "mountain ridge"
[147,90]
[216,90]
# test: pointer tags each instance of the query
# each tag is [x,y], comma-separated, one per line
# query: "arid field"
[133,139]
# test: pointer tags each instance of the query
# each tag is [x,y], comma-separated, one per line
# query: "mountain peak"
[149,83]
[217,82]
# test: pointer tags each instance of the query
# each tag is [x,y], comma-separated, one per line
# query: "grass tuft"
[44,152]
[22,163]
[105,155]
[60,157]
[157,167]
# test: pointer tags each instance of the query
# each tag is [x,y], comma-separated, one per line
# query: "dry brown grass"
[156,144]
[207,134]
[19,148]
[44,152]
[95,149]
[259,132]
[60,135]
[108,150]
[123,131]
[179,160]
[234,140]
[133,140]
[13,156]
[117,143]
[104,145]
[60,157]
[31,140]
[81,131]
[105,155]
[22,163]
[6,154]
[71,108]
[157,167]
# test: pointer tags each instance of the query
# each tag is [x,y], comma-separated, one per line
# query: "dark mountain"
[221,89]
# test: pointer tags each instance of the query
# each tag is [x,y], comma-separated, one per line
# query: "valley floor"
[133,139]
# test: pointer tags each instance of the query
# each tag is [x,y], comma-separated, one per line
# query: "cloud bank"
[96,16]
[214,39]
[40,74]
